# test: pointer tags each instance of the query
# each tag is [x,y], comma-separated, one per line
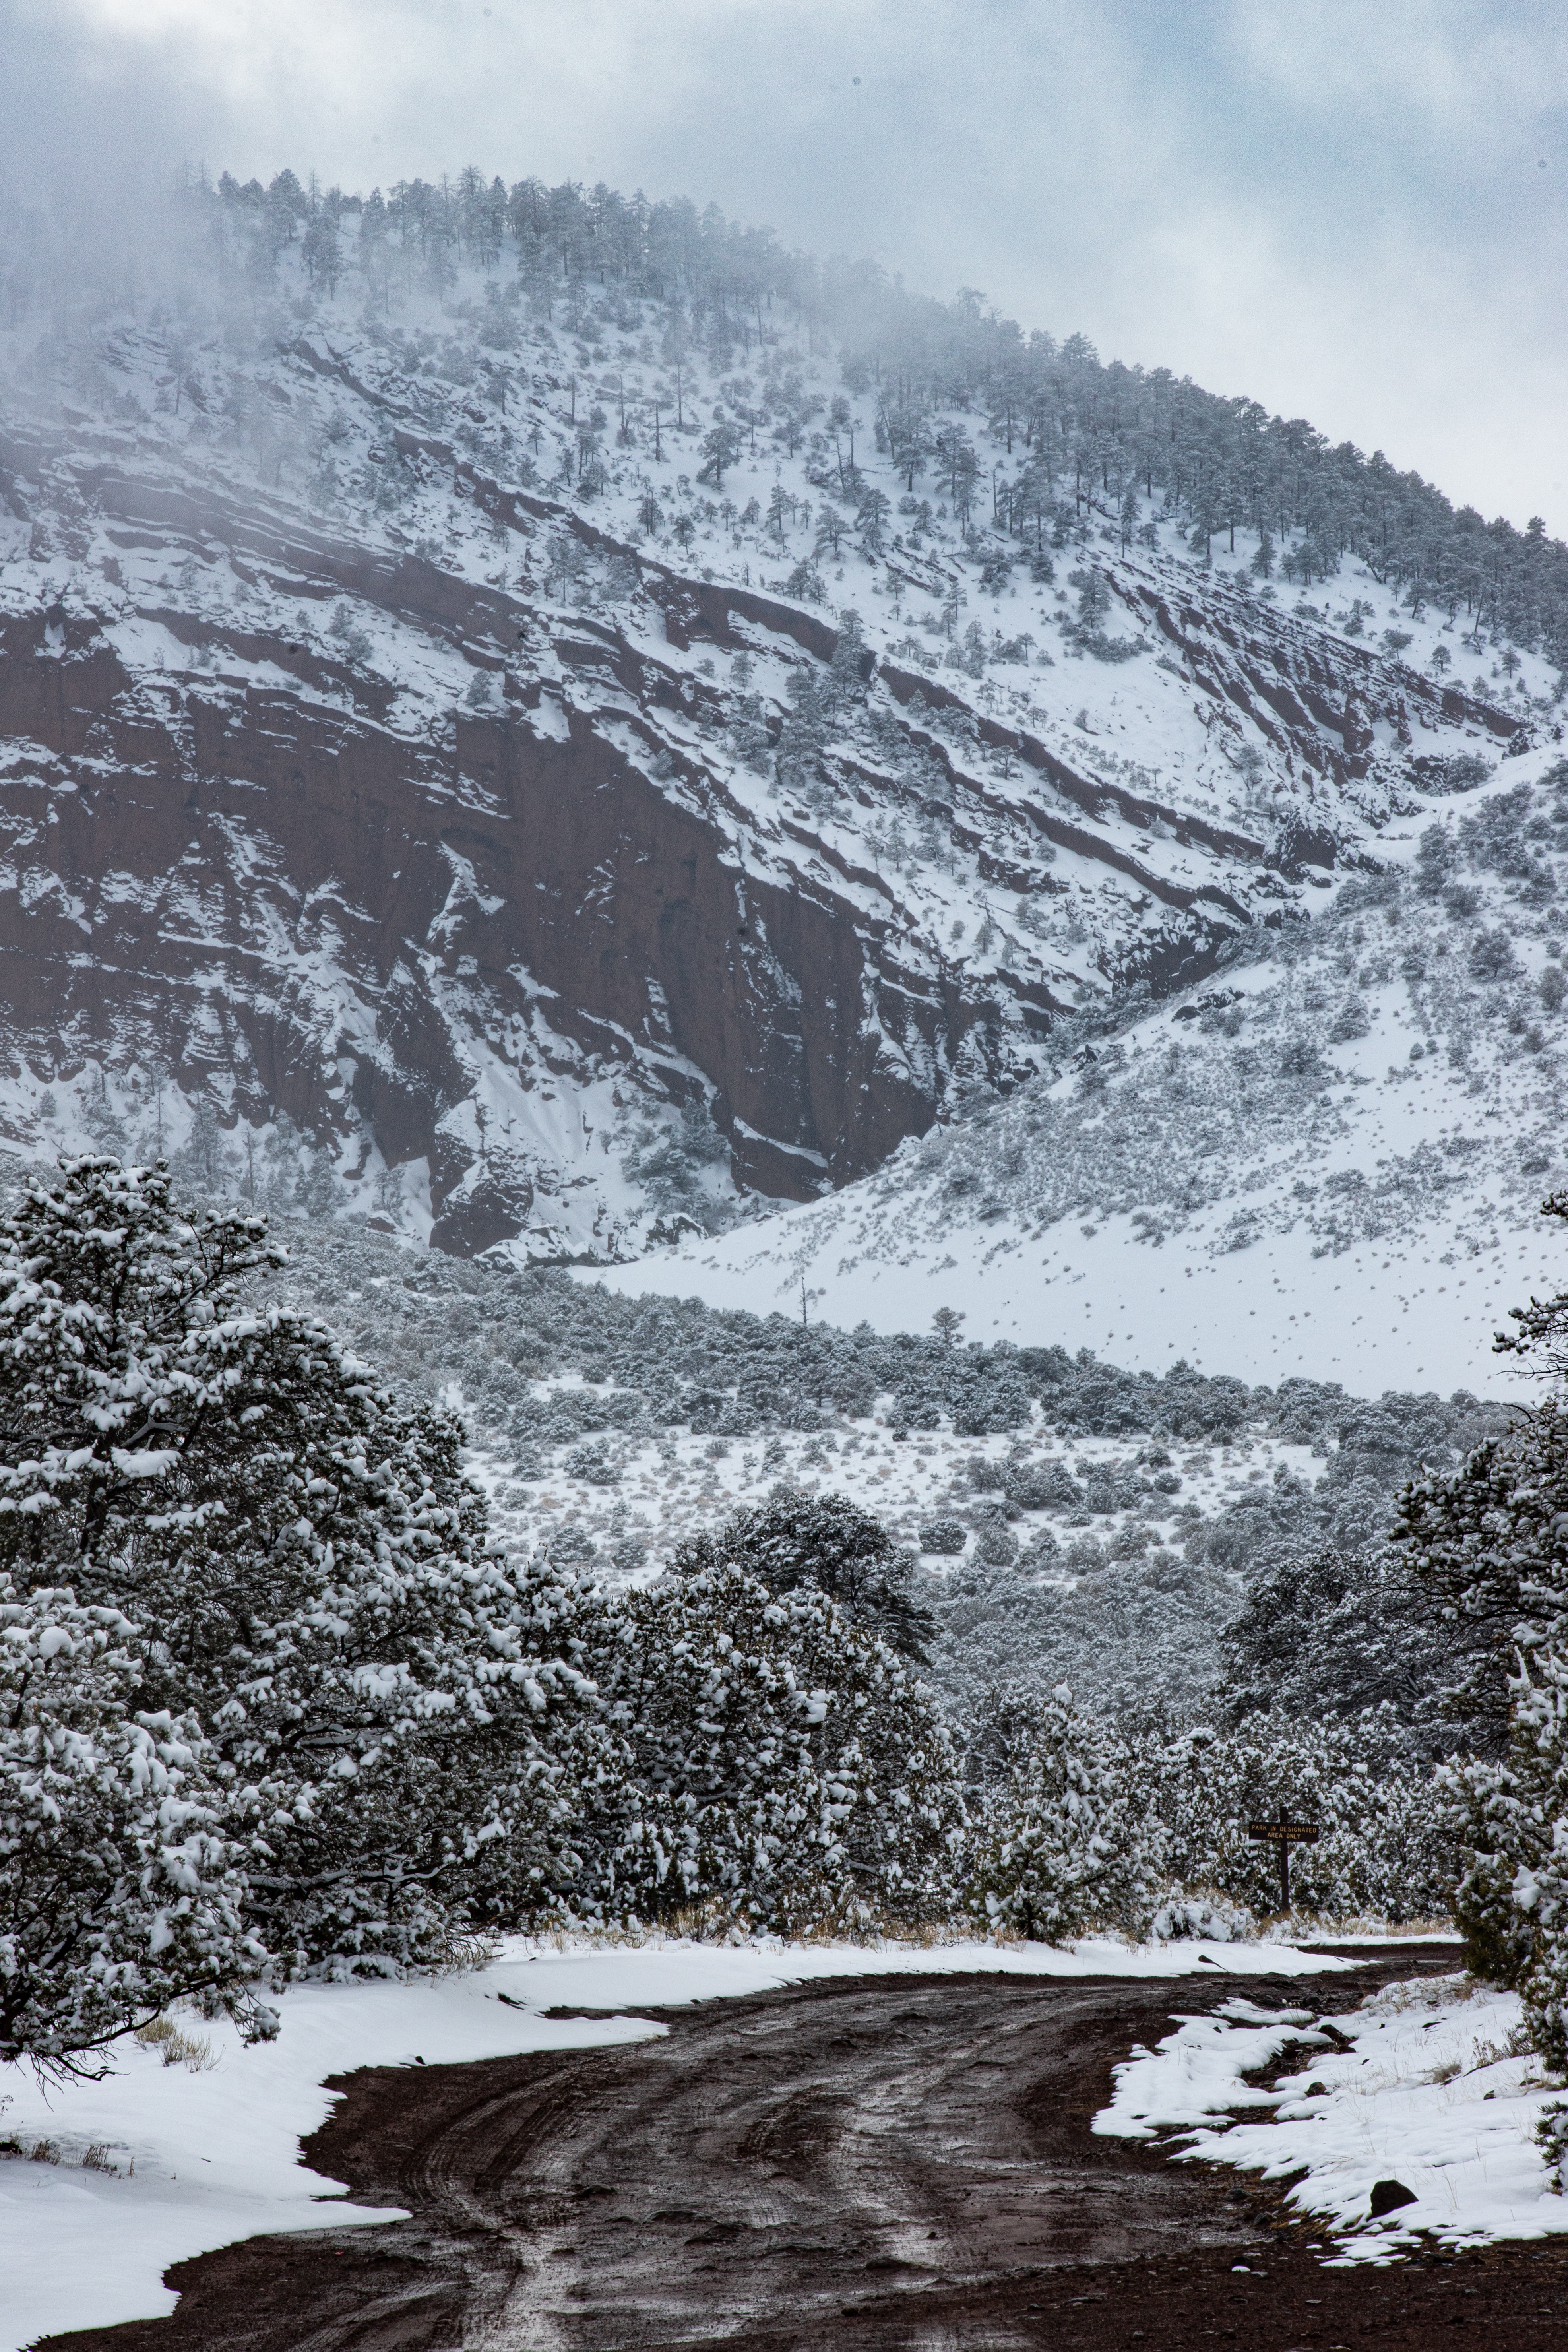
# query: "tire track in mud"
[878,2162]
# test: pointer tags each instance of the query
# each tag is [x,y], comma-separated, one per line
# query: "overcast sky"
[1353,213]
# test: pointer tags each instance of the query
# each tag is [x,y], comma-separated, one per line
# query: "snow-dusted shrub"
[118,1891]
[1433,860]
[389,1704]
[783,1767]
[1209,1918]
[1491,955]
[1064,1841]
[986,1399]
[1041,1487]
[995,1542]
[1300,1058]
[593,1465]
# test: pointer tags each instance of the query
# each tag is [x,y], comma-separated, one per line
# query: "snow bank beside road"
[202,2158]
[1422,2087]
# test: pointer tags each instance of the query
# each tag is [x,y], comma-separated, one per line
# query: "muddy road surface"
[867,2162]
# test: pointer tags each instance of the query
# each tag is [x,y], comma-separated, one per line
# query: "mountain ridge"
[649,945]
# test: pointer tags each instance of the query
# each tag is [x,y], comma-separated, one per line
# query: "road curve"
[870,2162]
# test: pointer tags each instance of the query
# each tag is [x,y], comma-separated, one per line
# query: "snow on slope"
[1019,827]
[670,1489]
[1329,1163]
[157,2163]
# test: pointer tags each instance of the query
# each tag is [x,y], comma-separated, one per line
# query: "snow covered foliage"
[1329,1636]
[1137,1825]
[823,1544]
[1064,1841]
[786,1770]
[304,1563]
[1491,1544]
[1385,1848]
[119,1892]
[1512,1815]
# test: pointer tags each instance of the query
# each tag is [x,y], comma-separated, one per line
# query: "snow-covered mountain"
[441,776]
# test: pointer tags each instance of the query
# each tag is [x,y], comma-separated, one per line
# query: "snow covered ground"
[1328,1164]
[108,2184]
[670,1489]
[1423,2085]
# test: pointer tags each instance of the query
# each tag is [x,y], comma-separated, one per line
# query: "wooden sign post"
[1284,1833]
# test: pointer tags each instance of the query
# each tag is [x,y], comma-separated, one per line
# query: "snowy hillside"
[1329,1165]
[1073,1521]
[440,777]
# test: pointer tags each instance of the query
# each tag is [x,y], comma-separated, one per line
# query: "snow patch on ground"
[199,2159]
[1425,2084]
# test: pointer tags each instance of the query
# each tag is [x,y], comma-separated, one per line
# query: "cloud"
[1338,210]
[1472,70]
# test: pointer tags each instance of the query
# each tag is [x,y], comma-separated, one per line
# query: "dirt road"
[868,2162]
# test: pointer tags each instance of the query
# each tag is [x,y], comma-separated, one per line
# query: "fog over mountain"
[1353,218]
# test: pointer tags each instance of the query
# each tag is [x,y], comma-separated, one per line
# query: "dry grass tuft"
[176,2047]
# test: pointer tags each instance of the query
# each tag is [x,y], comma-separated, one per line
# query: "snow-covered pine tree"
[1066,1841]
[1512,1816]
[1327,1634]
[119,1892]
[1491,1545]
[397,1713]
[827,1544]
[785,1768]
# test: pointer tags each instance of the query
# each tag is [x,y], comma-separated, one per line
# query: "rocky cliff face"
[560,892]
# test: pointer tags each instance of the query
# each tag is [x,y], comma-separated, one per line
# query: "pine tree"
[1063,1842]
[1511,1814]
[1492,1546]
[720,447]
[118,1891]
[1327,1634]
[323,261]
[784,1769]
[389,1704]
[821,1543]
